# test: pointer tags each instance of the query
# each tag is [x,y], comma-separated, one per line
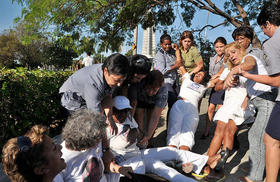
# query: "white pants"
[152,160]
[182,124]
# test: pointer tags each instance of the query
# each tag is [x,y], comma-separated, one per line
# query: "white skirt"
[231,108]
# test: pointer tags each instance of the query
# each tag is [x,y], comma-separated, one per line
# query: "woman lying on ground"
[33,157]
[184,116]
[124,147]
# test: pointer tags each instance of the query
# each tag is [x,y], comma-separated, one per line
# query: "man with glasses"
[92,86]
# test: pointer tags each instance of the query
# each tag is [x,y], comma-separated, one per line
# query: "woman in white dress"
[230,115]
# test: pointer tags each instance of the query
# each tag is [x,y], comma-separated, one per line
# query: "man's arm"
[272,80]
[109,162]
[153,122]
[107,107]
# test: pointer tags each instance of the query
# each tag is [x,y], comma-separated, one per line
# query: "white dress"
[232,102]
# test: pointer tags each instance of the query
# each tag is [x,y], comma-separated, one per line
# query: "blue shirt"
[272,56]
[163,62]
[138,92]
[214,65]
[88,83]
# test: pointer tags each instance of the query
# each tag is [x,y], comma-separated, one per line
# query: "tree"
[9,46]
[14,52]
[112,21]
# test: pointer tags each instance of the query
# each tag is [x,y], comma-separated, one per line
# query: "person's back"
[88,60]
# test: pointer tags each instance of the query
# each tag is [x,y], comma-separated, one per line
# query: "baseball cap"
[121,102]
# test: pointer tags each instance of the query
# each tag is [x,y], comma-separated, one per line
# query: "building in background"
[149,42]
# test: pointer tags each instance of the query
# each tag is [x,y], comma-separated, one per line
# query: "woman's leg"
[217,139]
[159,168]
[165,154]
[211,110]
[229,135]
[272,158]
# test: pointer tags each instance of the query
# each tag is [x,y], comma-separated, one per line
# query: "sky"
[9,11]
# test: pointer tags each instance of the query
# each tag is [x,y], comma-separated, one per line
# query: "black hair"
[116,64]
[139,64]
[269,13]
[221,40]
[205,79]
[88,53]
[245,31]
[164,37]
[154,78]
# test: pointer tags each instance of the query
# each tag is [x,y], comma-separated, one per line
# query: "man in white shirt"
[88,61]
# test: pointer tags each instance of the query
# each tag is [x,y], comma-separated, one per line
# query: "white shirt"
[254,88]
[87,61]
[191,91]
[119,144]
[76,162]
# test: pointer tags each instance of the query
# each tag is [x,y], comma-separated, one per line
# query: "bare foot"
[187,167]
[206,169]
[212,161]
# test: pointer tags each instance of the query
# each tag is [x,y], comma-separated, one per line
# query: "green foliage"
[28,98]
[108,23]
[59,56]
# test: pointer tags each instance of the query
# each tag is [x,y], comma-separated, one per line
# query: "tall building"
[149,42]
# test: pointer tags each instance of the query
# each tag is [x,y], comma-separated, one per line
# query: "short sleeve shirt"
[272,56]
[191,91]
[191,57]
[88,83]
[214,65]
[138,92]
[163,61]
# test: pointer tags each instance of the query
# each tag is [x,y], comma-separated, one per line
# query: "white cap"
[121,102]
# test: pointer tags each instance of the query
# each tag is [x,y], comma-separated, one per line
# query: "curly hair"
[19,164]
[237,46]
[244,30]
[84,129]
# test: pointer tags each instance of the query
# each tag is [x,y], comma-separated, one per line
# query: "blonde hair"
[19,165]
[236,46]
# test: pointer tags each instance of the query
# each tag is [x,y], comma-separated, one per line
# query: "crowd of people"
[114,109]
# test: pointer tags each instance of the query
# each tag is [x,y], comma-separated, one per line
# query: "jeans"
[264,104]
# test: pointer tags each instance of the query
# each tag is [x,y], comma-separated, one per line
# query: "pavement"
[237,164]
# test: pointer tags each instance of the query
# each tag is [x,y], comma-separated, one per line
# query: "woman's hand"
[175,46]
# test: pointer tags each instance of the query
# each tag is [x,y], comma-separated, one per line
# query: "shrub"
[28,98]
